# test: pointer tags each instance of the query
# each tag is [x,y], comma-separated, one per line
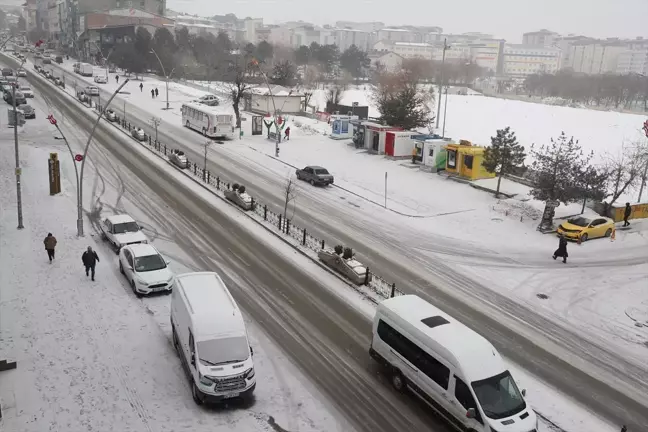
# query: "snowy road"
[568,358]
[322,334]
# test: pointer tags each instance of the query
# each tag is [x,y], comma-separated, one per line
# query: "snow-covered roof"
[414,44]
[207,109]
[394,30]
[277,90]
[474,355]
[122,218]
[143,249]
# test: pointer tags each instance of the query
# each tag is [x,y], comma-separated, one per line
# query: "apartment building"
[305,35]
[389,61]
[389,34]
[633,61]
[368,27]
[407,49]
[540,38]
[565,43]
[595,57]
[280,35]
[489,54]
[522,60]
[344,38]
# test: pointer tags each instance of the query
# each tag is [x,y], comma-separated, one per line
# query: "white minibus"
[210,337]
[211,121]
[449,366]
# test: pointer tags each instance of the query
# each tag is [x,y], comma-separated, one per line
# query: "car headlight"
[206,381]
[141,282]
[249,374]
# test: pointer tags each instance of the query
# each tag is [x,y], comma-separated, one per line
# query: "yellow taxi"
[586,228]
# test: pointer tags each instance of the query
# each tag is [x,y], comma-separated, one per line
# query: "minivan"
[210,337]
[453,369]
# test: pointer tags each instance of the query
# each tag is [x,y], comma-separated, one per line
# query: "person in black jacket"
[90,259]
[626,214]
[562,249]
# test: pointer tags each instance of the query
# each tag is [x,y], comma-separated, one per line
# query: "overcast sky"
[503,18]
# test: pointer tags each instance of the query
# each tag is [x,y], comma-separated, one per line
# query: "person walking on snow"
[156,92]
[152,93]
[90,260]
[626,214]
[414,154]
[562,249]
[117,78]
[141,87]
[287,134]
[50,244]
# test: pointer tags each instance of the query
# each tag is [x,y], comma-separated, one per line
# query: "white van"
[452,368]
[210,337]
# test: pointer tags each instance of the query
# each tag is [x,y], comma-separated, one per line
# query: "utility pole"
[644,176]
[445,47]
[155,122]
[445,111]
[18,169]
[206,145]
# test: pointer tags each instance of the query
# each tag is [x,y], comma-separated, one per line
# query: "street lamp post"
[445,47]
[18,169]
[83,161]
[445,111]
[274,107]
[206,145]
[165,75]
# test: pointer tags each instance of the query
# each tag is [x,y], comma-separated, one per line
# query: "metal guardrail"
[282,225]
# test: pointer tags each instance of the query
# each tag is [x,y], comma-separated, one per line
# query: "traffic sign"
[78,158]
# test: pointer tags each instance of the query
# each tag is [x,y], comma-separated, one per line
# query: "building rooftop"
[414,44]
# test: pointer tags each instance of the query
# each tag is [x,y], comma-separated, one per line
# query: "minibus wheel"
[195,394]
[397,380]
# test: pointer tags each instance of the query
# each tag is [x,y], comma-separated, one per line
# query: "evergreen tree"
[283,73]
[264,51]
[504,155]
[401,102]
[354,61]
[303,55]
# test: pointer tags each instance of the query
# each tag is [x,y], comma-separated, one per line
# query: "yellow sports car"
[586,228]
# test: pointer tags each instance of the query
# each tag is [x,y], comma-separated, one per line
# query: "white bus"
[214,122]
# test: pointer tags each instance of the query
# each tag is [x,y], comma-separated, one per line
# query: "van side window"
[415,355]
[192,345]
[465,398]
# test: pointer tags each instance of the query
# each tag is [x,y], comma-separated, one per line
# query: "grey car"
[315,175]
[28,111]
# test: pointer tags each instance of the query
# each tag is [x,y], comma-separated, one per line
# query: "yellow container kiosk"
[466,160]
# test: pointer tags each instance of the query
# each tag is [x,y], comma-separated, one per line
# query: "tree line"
[617,91]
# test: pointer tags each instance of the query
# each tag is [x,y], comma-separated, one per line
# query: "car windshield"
[221,351]
[149,263]
[499,396]
[579,221]
[25,88]
[321,171]
[125,227]
[26,108]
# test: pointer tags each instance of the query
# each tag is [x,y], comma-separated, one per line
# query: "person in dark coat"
[141,87]
[152,94]
[90,260]
[562,249]
[287,132]
[117,79]
[156,92]
[50,244]
[626,214]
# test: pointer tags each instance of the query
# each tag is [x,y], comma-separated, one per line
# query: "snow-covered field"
[597,293]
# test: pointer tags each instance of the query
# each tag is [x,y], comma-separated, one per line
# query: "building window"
[468,161]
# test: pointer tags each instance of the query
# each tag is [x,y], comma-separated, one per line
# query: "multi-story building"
[305,35]
[328,36]
[489,54]
[539,38]
[29,14]
[388,61]
[53,18]
[595,57]
[157,7]
[633,62]
[251,26]
[565,43]
[522,60]
[407,49]
[280,35]
[344,38]
[368,27]
[389,34]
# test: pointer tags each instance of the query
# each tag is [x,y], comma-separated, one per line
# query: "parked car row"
[208,330]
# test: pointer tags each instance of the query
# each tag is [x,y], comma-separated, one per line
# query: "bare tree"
[624,171]
[334,95]
[238,70]
[290,192]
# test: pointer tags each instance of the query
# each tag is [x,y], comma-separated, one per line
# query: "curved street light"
[165,76]
[255,62]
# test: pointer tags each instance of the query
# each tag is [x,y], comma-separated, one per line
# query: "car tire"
[121,268]
[608,233]
[137,294]
[174,338]
[398,380]
[312,182]
[195,394]
[584,238]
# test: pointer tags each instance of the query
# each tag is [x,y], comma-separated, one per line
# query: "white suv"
[146,270]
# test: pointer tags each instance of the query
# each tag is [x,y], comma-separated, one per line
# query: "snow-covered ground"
[90,355]
[594,293]
[65,314]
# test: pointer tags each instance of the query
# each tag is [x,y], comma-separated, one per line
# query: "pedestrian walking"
[90,260]
[156,92]
[414,154]
[626,214]
[141,87]
[287,134]
[152,93]
[562,249]
[117,78]
[50,244]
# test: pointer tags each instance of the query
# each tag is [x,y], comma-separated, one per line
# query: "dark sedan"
[315,175]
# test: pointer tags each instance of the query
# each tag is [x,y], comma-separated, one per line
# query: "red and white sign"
[645,128]
[51,119]
[78,158]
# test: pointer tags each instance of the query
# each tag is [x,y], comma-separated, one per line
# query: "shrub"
[338,249]
[348,253]
[235,186]
[241,189]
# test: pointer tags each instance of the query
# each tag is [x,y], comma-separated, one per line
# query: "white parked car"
[100,79]
[21,73]
[139,134]
[92,91]
[146,270]
[178,158]
[27,91]
[122,230]
[210,100]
